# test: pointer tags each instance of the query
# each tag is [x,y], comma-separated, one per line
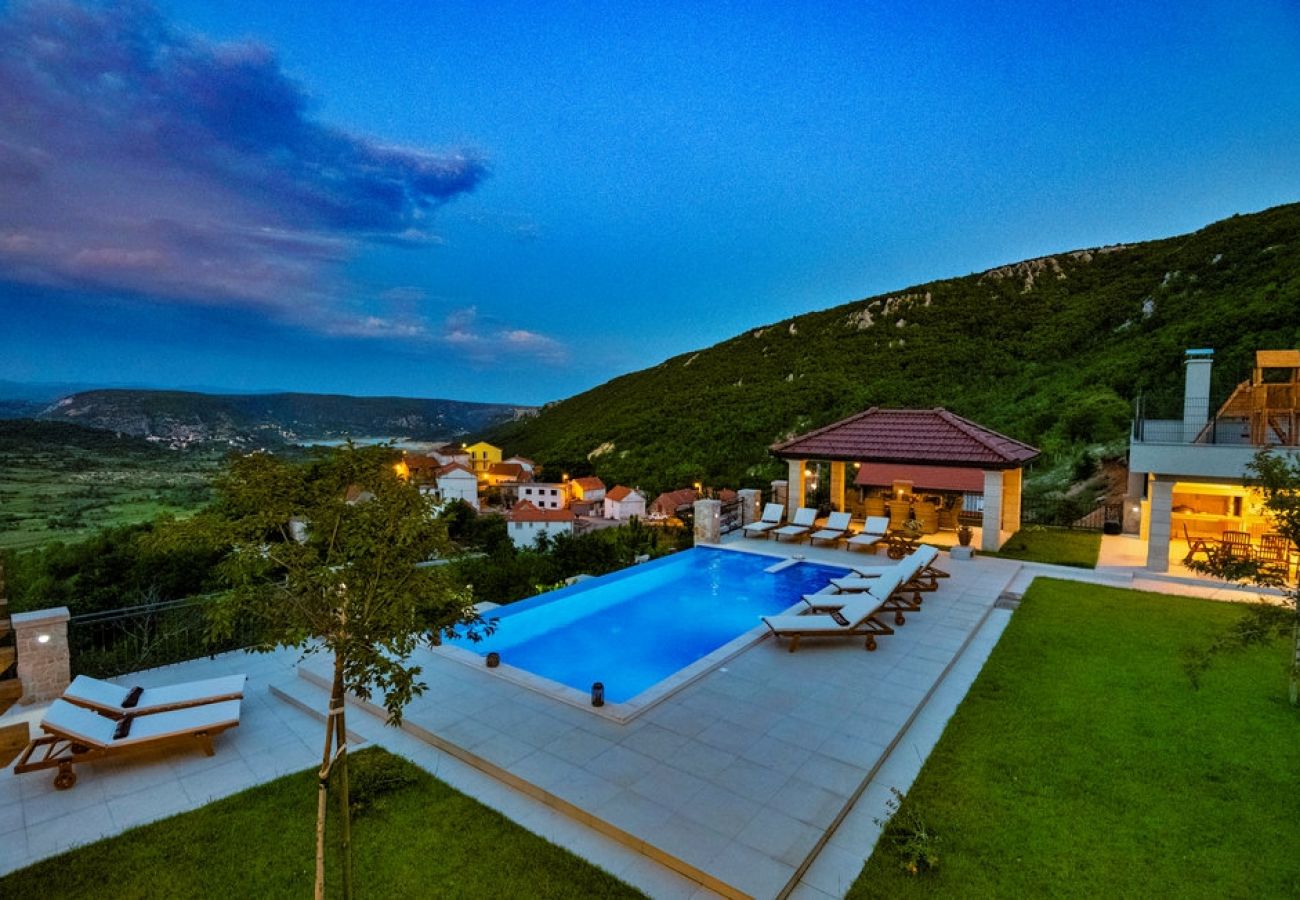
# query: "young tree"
[1277,477]
[323,558]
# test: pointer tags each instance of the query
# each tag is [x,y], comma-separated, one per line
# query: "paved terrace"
[762,778]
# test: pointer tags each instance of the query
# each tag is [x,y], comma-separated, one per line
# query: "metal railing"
[117,641]
[731,516]
[1063,514]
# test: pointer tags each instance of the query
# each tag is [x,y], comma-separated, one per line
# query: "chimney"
[1196,392]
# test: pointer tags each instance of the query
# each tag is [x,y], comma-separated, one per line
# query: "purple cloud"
[136,158]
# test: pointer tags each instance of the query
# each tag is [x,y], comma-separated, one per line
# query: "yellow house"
[482,455]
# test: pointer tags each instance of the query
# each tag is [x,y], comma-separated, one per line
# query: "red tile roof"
[419,464]
[726,495]
[506,470]
[934,478]
[620,492]
[524,511]
[669,502]
[933,436]
[452,467]
[590,483]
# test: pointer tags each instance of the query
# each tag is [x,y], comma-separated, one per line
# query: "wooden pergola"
[943,450]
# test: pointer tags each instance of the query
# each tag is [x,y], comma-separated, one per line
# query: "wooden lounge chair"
[802,523]
[773,513]
[74,734]
[1274,556]
[872,533]
[837,526]
[888,590]
[857,618]
[115,701]
[919,566]
[1198,545]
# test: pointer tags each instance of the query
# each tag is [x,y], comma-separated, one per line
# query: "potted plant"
[964,535]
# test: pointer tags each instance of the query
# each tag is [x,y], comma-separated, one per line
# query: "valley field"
[61,482]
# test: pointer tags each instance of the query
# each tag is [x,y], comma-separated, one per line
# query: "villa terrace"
[742,782]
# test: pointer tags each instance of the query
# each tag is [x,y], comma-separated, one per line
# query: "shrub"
[914,843]
[373,775]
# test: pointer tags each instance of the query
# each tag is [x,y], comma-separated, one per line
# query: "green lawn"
[1083,764]
[423,840]
[1060,546]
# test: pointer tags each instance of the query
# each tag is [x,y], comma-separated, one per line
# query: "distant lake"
[401,443]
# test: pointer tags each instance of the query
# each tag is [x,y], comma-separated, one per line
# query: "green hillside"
[1050,350]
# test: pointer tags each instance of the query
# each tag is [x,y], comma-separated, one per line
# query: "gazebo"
[923,449]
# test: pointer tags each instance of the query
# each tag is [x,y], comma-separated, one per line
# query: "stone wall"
[44,665]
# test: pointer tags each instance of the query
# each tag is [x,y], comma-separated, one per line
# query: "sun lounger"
[837,525]
[115,701]
[923,576]
[857,618]
[803,521]
[872,533]
[773,513]
[891,590]
[74,734]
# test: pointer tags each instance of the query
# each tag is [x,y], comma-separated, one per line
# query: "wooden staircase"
[10,687]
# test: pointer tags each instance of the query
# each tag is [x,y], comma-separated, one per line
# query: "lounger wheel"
[898,619]
[871,642]
[65,778]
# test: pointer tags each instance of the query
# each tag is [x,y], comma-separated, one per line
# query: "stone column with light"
[44,664]
[798,486]
[708,521]
[751,500]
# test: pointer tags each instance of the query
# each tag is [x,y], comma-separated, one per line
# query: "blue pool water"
[634,628]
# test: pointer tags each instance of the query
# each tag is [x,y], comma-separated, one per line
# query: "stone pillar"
[991,535]
[708,521]
[1162,504]
[1011,485]
[780,492]
[751,501]
[798,487]
[44,666]
[837,486]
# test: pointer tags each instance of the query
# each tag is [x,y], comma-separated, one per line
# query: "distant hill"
[1050,350]
[184,418]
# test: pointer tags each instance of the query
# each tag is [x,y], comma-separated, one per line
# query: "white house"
[524,463]
[544,495]
[526,521]
[624,503]
[456,482]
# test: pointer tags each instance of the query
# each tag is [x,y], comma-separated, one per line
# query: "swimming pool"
[633,629]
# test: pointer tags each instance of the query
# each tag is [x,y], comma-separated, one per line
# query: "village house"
[544,495]
[455,482]
[526,521]
[589,488]
[667,504]
[526,464]
[482,455]
[622,503]
[504,473]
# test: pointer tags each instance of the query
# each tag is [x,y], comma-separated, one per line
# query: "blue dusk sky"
[517,201]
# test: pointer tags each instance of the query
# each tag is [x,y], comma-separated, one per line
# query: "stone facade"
[44,665]
[751,503]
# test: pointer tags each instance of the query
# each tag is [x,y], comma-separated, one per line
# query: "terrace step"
[10,690]
[308,697]
[7,657]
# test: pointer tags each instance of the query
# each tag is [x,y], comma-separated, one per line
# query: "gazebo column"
[798,486]
[1011,483]
[837,486]
[1160,524]
[991,534]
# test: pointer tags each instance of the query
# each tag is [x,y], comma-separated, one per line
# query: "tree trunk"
[345,810]
[321,797]
[1295,655]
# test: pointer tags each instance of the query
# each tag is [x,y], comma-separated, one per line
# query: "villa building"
[527,521]
[455,482]
[622,503]
[667,504]
[1187,476]
[912,463]
[504,473]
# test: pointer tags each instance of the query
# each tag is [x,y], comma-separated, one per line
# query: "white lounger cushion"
[863,539]
[877,589]
[93,730]
[855,609]
[804,519]
[836,524]
[106,695]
